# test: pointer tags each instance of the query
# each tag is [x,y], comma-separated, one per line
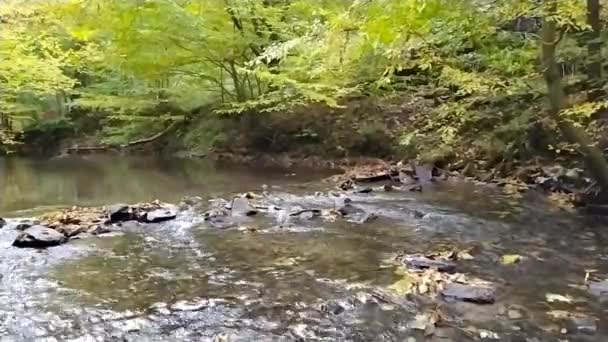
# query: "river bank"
[364,133]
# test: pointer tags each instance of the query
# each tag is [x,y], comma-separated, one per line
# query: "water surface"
[184,280]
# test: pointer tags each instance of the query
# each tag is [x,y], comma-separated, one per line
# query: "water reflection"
[99,180]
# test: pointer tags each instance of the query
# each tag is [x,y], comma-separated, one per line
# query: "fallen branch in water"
[143,141]
[157,136]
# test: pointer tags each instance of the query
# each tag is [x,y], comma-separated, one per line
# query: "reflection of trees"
[99,180]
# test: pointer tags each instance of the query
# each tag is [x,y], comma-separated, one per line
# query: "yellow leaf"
[509,259]
[404,285]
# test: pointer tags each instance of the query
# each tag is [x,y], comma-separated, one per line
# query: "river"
[186,281]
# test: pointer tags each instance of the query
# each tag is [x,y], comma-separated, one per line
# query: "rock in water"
[71,230]
[343,206]
[39,237]
[24,224]
[160,215]
[363,190]
[599,288]
[424,173]
[406,179]
[368,217]
[120,213]
[241,207]
[2,222]
[306,214]
[470,293]
[423,262]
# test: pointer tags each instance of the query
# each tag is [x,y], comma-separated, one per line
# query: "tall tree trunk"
[594,46]
[594,159]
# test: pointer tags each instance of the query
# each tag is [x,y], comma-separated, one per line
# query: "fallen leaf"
[403,286]
[552,297]
[509,259]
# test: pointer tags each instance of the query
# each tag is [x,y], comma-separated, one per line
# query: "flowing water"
[186,281]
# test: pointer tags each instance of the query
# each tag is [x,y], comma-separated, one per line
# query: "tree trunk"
[594,46]
[594,159]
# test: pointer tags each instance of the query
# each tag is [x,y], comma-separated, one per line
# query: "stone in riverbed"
[583,324]
[599,288]
[363,190]
[242,207]
[424,173]
[423,262]
[306,214]
[160,215]
[39,237]
[2,222]
[368,217]
[25,224]
[470,293]
[120,213]
[343,206]
[71,230]
[98,229]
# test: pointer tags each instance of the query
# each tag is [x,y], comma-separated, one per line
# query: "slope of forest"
[506,87]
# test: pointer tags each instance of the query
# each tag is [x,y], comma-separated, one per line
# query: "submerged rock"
[412,188]
[2,222]
[194,202]
[583,324]
[39,237]
[344,207]
[423,262]
[306,214]
[368,217]
[470,293]
[599,288]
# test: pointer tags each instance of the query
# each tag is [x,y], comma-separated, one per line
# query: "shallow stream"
[186,281]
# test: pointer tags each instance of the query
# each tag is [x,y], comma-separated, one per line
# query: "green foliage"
[138,65]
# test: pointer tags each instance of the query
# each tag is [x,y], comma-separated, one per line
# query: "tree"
[557,99]
[594,45]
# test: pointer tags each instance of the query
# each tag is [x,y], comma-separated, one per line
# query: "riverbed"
[184,280]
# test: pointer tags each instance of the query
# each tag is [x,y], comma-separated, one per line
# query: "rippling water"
[185,281]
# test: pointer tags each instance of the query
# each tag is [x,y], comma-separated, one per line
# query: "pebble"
[183,305]
[514,314]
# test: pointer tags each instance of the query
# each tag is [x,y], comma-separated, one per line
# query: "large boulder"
[39,237]
[120,213]
[160,215]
